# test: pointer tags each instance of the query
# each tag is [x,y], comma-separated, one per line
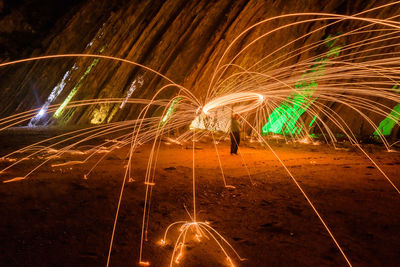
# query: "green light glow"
[284,119]
[396,88]
[171,110]
[386,125]
[313,120]
[60,109]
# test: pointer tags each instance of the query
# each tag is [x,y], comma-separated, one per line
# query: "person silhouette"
[235,134]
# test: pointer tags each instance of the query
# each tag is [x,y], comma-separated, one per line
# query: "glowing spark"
[8,159]
[199,229]
[230,261]
[173,141]
[14,180]
[180,255]
[68,163]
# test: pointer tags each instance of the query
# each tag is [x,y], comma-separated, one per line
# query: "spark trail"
[301,95]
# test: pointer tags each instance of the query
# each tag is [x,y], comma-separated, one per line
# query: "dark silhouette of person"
[235,134]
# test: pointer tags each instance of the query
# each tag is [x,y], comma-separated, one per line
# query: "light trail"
[233,98]
[355,78]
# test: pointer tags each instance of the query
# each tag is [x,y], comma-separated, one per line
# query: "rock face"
[183,40]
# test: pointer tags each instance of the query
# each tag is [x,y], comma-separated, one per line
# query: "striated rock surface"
[183,40]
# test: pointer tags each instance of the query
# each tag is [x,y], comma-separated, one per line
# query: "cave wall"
[181,39]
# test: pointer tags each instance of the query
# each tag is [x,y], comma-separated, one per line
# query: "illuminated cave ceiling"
[181,39]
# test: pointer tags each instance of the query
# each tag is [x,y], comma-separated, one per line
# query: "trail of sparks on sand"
[200,229]
[255,91]
[308,200]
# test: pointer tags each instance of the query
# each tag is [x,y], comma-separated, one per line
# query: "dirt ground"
[57,218]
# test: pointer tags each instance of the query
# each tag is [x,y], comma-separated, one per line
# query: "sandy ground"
[57,218]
